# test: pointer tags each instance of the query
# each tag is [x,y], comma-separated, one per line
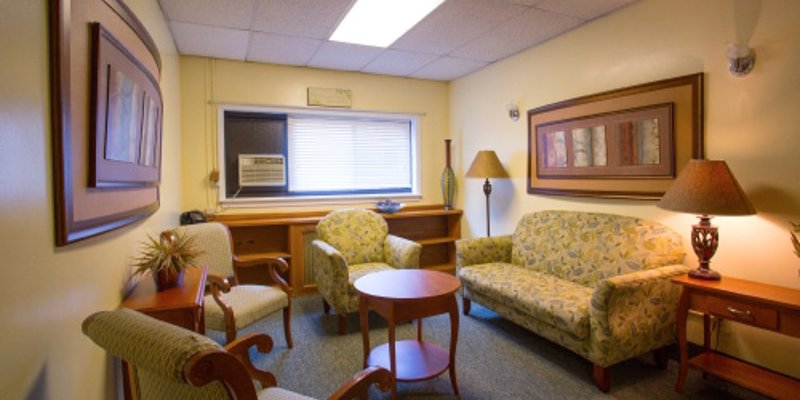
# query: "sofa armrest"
[401,252]
[483,250]
[331,266]
[636,310]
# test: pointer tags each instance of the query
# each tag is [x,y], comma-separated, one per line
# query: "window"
[328,155]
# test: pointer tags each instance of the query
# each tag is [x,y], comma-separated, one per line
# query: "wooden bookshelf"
[288,235]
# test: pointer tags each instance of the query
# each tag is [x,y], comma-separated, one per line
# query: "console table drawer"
[743,311]
[790,323]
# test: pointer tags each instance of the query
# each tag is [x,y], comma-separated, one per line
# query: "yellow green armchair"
[352,243]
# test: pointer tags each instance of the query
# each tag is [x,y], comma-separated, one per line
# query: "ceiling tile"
[448,68]
[201,40]
[348,57]
[278,49]
[304,18]
[455,23]
[583,9]
[529,29]
[396,62]
[222,13]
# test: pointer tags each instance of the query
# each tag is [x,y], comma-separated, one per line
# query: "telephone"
[192,217]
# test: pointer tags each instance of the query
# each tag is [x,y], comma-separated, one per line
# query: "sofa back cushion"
[586,248]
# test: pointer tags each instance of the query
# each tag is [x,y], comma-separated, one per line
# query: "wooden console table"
[770,307]
[403,295]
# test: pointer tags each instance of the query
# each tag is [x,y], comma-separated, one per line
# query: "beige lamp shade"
[706,187]
[486,165]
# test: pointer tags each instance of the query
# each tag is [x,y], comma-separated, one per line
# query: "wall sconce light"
[741,59]
[513,111]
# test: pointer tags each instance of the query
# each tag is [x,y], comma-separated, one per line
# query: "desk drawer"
[744,312]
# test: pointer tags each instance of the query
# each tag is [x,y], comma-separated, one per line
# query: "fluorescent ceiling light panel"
[380,22]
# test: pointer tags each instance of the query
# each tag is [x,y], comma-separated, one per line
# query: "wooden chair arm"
[358,386]
[215,365]
[274,266]
[239,348]
[220,285]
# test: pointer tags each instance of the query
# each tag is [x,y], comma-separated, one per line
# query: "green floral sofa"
[597,284]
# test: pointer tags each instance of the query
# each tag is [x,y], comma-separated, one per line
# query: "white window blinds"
[335,155]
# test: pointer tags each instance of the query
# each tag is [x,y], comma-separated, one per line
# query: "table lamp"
[486,165]
[706,187]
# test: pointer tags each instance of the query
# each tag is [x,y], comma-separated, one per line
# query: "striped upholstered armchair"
[168,362]
[233,306]
[352,243]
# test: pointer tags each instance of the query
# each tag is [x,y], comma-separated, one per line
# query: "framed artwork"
[106,116]
[625,143]
[126,110]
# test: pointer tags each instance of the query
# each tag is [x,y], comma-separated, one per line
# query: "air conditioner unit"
[262,170]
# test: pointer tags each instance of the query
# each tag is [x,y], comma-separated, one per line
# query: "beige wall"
[752,122]
[208,82]
[47,291]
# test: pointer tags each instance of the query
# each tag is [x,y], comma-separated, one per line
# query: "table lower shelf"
[416,361]
[750,376]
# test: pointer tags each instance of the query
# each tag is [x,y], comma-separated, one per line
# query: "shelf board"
[269,254]
[439,240]
[747,375]
[448,268]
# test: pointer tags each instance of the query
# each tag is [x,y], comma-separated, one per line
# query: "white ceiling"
[459,37]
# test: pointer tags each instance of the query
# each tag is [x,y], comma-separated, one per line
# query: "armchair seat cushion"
[358,270]
[251,302]
[276,393]
[560,303]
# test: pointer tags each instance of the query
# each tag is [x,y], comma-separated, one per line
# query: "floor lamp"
[486,165]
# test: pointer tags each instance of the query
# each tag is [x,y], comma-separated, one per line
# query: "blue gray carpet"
[496,359]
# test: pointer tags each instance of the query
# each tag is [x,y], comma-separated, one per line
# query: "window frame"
[327,199]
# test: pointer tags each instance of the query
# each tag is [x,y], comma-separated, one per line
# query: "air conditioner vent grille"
[262,170]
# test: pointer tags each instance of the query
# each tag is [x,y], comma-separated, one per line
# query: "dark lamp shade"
[706,187]
[486,165]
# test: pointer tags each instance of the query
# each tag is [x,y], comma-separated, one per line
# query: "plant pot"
[165,279]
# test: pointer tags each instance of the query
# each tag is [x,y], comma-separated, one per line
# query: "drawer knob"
[740,313]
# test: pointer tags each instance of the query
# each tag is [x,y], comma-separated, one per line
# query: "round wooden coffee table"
[403,295]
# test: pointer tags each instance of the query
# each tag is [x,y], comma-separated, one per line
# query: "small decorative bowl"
[390,208]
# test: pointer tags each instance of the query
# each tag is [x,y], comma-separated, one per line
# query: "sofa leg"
[342,322]
[326,308]
[466,305]
[660,356]
[602,378]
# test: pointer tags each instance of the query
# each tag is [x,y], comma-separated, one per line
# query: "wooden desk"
[404,295]
[770,307]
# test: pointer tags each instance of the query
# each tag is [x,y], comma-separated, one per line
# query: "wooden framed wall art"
[625,143]
[106,118]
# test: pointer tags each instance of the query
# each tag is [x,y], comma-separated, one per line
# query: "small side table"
[774,308]
[181,306]
[404,295]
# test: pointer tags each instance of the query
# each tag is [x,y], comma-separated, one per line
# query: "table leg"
[680,322]
[363,319]
[419,329]
[392,355]
[453,343]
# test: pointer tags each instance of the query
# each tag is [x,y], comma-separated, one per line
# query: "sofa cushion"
[586,248]
[558,302]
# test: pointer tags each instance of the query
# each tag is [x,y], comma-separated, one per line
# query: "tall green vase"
[448,179]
